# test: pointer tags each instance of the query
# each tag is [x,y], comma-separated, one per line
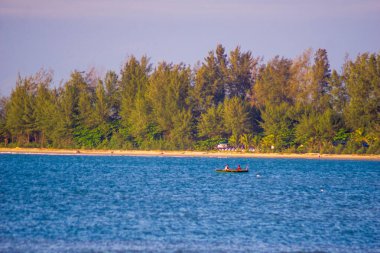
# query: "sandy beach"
[184,153]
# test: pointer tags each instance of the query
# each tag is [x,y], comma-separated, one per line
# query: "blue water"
[161,204]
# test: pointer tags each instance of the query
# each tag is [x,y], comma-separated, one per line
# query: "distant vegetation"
[285,105]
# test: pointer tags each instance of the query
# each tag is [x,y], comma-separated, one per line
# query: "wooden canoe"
[233,171]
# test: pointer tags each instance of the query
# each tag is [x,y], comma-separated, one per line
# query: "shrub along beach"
[171,153]
[281,106]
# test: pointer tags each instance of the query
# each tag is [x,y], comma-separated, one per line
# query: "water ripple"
[147,204]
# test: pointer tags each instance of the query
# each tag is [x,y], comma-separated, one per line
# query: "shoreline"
[215,154]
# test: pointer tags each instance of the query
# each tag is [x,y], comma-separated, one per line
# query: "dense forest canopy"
[284,105]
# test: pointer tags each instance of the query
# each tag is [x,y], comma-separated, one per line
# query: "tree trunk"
[35,137]
[42,141]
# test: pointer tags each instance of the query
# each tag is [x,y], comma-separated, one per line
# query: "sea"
[78,203]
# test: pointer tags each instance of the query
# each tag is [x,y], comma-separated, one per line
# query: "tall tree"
[15,121]
[101,110]
[4,133]
[182,133]
[320,86]
[278,121]
[210,80]
[298,102]
[301,79]
[85,95]
[273,84]
[222,63]
[134,110]
[45,114]
[338,96]
[236,118]
[362,78]
[239,73]
[73,109]
[168,94]
[315,130]
[211,123]
[28,117]
[112,94]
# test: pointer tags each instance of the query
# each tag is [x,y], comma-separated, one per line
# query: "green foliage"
[112,95]
[267,142]
[315,130]
[102,108]
[208,144]
[4,135]
[167,95]
[341,136]
[239,73]
[338,93]
[210,78]
[273,83]
[320,81]
[277,121]
[180,136]
[246,140]
[236,118]
[116,142]
[15,111]
[286,105]
[133,86]
[88,138]
[46,114]
[362,79]
[211,124]
[374,148]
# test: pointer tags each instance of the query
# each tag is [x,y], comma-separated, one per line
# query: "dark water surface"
[159,204]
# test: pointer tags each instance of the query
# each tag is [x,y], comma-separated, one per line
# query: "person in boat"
[238,168]
[226,168]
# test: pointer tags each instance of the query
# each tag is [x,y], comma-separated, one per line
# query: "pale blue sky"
[80,34]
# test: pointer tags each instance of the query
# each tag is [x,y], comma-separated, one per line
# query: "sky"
[67,35]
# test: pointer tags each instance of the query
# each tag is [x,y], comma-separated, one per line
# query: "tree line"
[283,105]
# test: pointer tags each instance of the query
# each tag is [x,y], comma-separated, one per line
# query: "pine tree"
[101,110]
[182,133]
[15,113]
[218,87]
[134,109]
[239,73]
[168,94]
[112,94]
[71,114]
[236,118]
[273,85]
[320,86]
[45,114]
[339,96]
[28,117]
[298,102]
[362,78]
[134,79]
[278,121]
[211,124]
[301,79]
[4,133]
[210,80]
[315,130]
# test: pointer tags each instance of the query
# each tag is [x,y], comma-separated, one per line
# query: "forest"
[282,105]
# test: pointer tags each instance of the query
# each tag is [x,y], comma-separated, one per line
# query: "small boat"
[233,170]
